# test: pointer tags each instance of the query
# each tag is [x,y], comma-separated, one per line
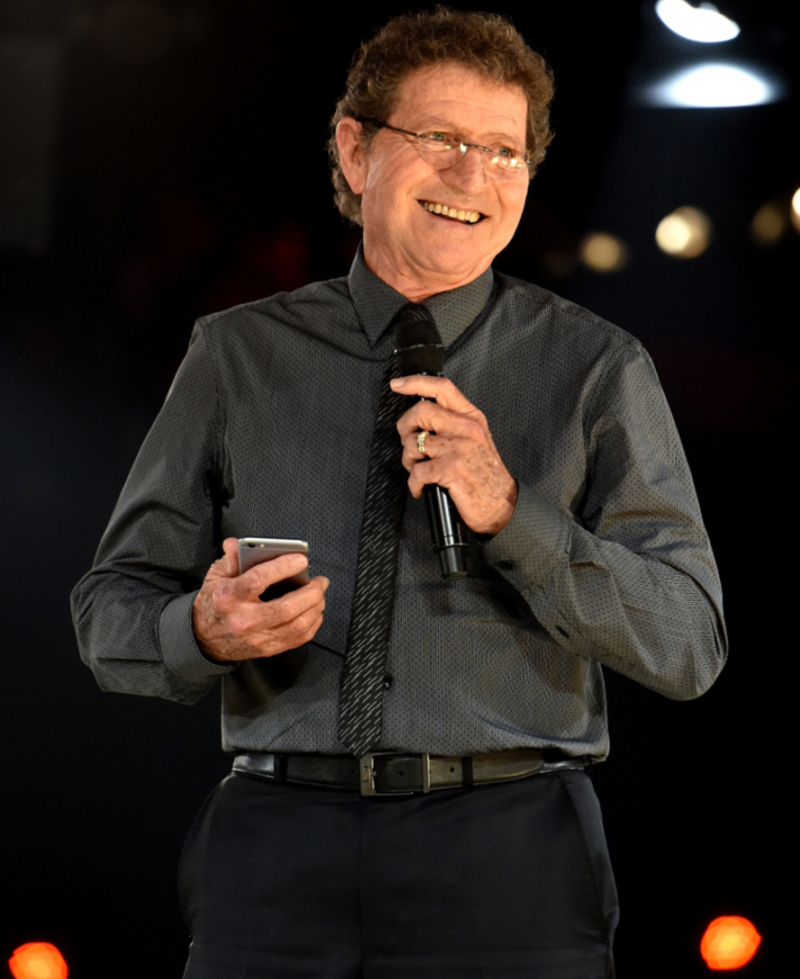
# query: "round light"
[768,225]
[794,214]
[37,960]
[729,943]
[685,233]
[603,252]
[713,86]
[704,23]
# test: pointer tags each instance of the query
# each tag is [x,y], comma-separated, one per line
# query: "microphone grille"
[412,326]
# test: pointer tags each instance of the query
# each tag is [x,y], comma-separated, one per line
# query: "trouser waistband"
[404,773]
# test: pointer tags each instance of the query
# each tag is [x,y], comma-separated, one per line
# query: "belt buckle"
[367,775]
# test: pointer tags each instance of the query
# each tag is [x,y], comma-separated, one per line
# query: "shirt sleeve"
[629,578]
[133,610]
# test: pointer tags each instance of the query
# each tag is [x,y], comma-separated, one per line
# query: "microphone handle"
[448,532]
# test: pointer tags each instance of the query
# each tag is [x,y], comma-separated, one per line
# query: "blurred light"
[603,252]
[794,214]
[713,86]
[729,942]
[769,224]
[685,233]
[38,960]
[703,23]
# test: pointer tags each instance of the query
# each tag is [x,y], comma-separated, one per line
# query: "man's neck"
[453,310]
[420,285]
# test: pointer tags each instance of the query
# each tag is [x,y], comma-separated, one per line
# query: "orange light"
[729,942]
[38,960]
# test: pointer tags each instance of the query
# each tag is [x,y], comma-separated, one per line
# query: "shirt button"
[505,565]
[388,679]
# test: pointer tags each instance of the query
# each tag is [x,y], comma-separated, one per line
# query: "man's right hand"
[232,623]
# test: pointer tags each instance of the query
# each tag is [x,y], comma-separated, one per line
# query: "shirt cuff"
[533,542]
[182,656]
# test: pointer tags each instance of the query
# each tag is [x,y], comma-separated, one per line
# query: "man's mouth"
[465,217]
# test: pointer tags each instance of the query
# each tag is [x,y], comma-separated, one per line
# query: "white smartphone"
[255,550]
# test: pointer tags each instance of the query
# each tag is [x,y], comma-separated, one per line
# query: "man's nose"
[468,173]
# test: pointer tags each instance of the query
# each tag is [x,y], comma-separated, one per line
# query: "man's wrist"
[505,510]
[179,647]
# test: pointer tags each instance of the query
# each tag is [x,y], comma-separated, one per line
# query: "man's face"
[404,243]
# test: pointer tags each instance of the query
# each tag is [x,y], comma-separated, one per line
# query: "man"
[586,548]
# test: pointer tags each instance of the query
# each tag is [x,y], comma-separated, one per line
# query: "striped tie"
[361,704]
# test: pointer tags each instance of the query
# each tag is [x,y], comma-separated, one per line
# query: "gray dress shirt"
[266,432]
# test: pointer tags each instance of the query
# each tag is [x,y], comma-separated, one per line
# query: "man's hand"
[460,454]
[231,622]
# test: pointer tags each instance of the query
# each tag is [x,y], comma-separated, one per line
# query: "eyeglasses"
[443,150]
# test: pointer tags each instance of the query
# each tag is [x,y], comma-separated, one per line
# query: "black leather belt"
[395,773]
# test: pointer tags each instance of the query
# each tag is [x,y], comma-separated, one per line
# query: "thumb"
[228,565]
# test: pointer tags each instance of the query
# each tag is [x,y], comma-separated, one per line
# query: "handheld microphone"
[418,349]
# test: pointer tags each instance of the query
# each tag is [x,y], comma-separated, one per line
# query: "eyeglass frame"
[463,145]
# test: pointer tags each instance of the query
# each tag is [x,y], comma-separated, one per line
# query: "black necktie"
[361,704]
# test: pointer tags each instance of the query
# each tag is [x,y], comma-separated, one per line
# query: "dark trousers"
[500,881]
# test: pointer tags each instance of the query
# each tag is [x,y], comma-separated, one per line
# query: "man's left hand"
[460,454]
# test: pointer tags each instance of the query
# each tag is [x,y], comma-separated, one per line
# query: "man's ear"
[351,154]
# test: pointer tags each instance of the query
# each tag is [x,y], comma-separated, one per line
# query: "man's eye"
[506,151]
[447,138]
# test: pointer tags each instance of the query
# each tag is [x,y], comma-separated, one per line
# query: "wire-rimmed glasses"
[443,150]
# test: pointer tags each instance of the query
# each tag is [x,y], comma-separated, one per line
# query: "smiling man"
[409,792]
[428,226]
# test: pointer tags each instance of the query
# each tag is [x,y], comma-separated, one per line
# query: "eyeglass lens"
[447,153]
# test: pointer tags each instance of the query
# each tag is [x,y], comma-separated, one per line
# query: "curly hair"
[487,43]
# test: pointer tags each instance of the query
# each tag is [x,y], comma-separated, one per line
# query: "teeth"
[467,217]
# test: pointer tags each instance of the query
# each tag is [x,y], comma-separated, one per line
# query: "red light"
[38,960]
[729,942]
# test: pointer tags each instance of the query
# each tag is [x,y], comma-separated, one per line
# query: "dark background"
[162,160]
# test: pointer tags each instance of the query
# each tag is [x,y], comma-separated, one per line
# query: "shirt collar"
[378,303]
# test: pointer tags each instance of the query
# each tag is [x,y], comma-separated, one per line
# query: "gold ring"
[421,436]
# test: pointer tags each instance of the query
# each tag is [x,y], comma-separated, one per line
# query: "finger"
[434,447]
[432,417]
[226,566]
[282,619]
[250,632]
[272,621]
[230,548]
[441,389]
[248,586]
[294,603]
[300,636]
[421,475]
[449,467]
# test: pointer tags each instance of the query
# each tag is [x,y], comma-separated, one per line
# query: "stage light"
[38,960]
[729,942]
[685,233]
[794,214]
[769,224]
[713,86]
[603,252]
[704,23]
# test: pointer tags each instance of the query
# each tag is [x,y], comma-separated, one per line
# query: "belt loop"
[466,772]
[281,763]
